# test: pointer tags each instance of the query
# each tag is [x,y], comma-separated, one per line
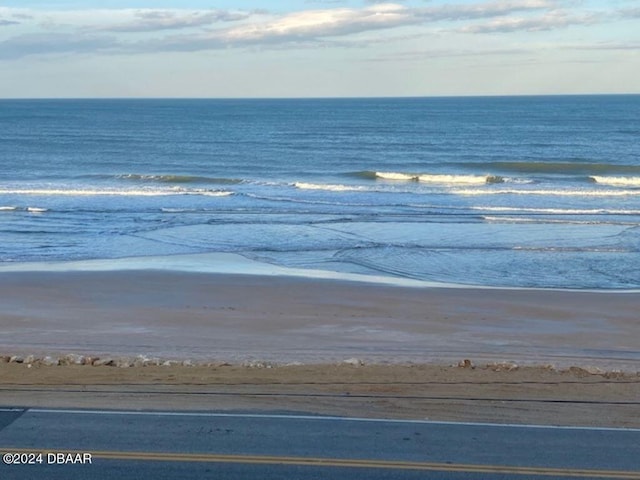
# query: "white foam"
[329,187]
[459,179]
[490,218]
[396,176]
[211,193]
[36,209]
[7,209]
[560,211]
[561,193]
[107,192]
[177,210]
[617,181]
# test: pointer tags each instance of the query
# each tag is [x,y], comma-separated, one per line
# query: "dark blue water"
[508,191]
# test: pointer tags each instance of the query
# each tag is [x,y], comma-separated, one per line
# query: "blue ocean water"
[496,191]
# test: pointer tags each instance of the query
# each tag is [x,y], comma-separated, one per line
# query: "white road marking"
[311,417]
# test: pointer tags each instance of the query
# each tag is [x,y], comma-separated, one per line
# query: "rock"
[16,359]
[466,363]
[72,359]
[5,359]
[218,364]
[503,366]
[143,361]
[106,362]
[49,361]
[187,363]
[593,370]
[169,363]
[30,359]
[588,370]
[356,362]
[123,363]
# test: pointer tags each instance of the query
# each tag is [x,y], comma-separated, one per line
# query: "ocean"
[540,192]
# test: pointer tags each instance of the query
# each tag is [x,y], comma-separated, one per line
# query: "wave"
[396,176]
[559,211]
[179,210]
[560,193]
[585,168]
[37,209]
[436,178]
[113,192]
[8,209]
[544,220]
[616,181]
[461,179]
[209,193]
[329,187]
[175,178]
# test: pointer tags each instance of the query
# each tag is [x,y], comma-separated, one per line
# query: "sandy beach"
[236,318]
[259,342]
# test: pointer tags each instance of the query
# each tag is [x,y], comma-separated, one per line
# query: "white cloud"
[53,43]
[145,30]
[321,23]
[550,21]
[154,20]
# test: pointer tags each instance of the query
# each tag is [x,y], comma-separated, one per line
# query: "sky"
[317,48]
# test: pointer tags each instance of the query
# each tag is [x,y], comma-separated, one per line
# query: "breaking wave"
[332,188]
[567,168]
[396,176]
[434,178]
[113,192]
[551,193]
[617,181]
[461,179]
[162,178]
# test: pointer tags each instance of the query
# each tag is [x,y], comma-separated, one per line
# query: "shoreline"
[219,263]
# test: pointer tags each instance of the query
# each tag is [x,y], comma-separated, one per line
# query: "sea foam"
[329,187]
[113,192]
[617,181]
[448,179]
[551,193]
[460,179]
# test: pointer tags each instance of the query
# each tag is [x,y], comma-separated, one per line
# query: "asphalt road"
[174,445]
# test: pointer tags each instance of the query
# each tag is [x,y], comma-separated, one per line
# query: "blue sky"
[317,48]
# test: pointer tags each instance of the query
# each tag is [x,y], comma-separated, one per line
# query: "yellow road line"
[339,462]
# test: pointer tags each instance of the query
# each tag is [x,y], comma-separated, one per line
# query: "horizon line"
[345,97]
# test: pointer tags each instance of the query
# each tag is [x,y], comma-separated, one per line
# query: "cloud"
[6,23]
[549,21]
[630,12]
[313,24]
[463,12]
[53,43]
[79,31]
[154,20]
[447,53]
[632,46]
